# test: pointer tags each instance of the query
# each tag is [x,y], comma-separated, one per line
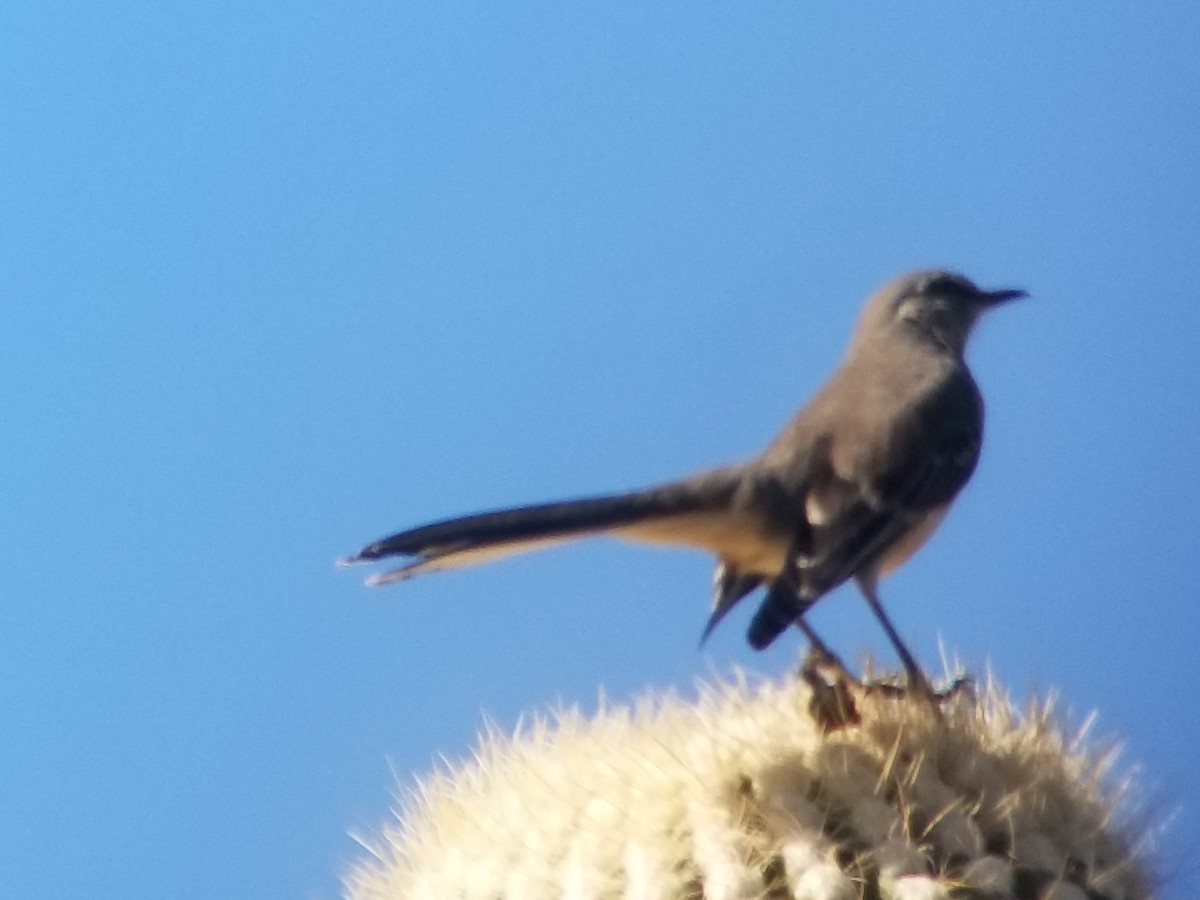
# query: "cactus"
[740,794]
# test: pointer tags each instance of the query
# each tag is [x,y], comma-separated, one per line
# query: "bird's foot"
[821,658]
[919,686]
[831,704]
[835,692]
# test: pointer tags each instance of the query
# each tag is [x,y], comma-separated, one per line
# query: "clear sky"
[278,279]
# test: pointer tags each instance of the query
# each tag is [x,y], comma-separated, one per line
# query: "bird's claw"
[835,690]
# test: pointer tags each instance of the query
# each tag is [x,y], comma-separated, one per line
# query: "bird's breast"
[910,541]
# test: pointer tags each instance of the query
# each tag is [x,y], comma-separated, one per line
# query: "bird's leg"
[916,678]
[826,656]
[785,594]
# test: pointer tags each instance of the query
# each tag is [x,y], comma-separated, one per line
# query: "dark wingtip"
[761,640]
[771,619]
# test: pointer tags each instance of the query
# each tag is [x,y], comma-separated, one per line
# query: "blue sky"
[277,280]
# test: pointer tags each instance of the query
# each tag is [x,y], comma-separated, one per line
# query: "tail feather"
[730,586]
[453,543]
[460,557]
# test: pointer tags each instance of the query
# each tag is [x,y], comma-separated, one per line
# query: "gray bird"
[851,488]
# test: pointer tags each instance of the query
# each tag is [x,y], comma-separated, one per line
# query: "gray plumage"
[852,486]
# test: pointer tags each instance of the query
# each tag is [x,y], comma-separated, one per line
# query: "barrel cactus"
[742,792]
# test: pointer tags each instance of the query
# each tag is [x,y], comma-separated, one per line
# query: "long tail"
[692,512]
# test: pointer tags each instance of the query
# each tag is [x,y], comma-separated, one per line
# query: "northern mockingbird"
[852,487]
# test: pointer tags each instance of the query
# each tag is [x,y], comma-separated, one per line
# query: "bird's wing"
[873,502]
[869,501]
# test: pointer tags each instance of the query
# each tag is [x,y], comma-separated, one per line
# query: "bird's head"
[934,305]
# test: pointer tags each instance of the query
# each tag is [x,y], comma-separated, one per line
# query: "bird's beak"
[995,298]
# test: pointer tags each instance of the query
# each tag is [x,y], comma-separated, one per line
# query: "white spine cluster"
[740,795]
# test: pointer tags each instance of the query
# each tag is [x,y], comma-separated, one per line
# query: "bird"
[853,485]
